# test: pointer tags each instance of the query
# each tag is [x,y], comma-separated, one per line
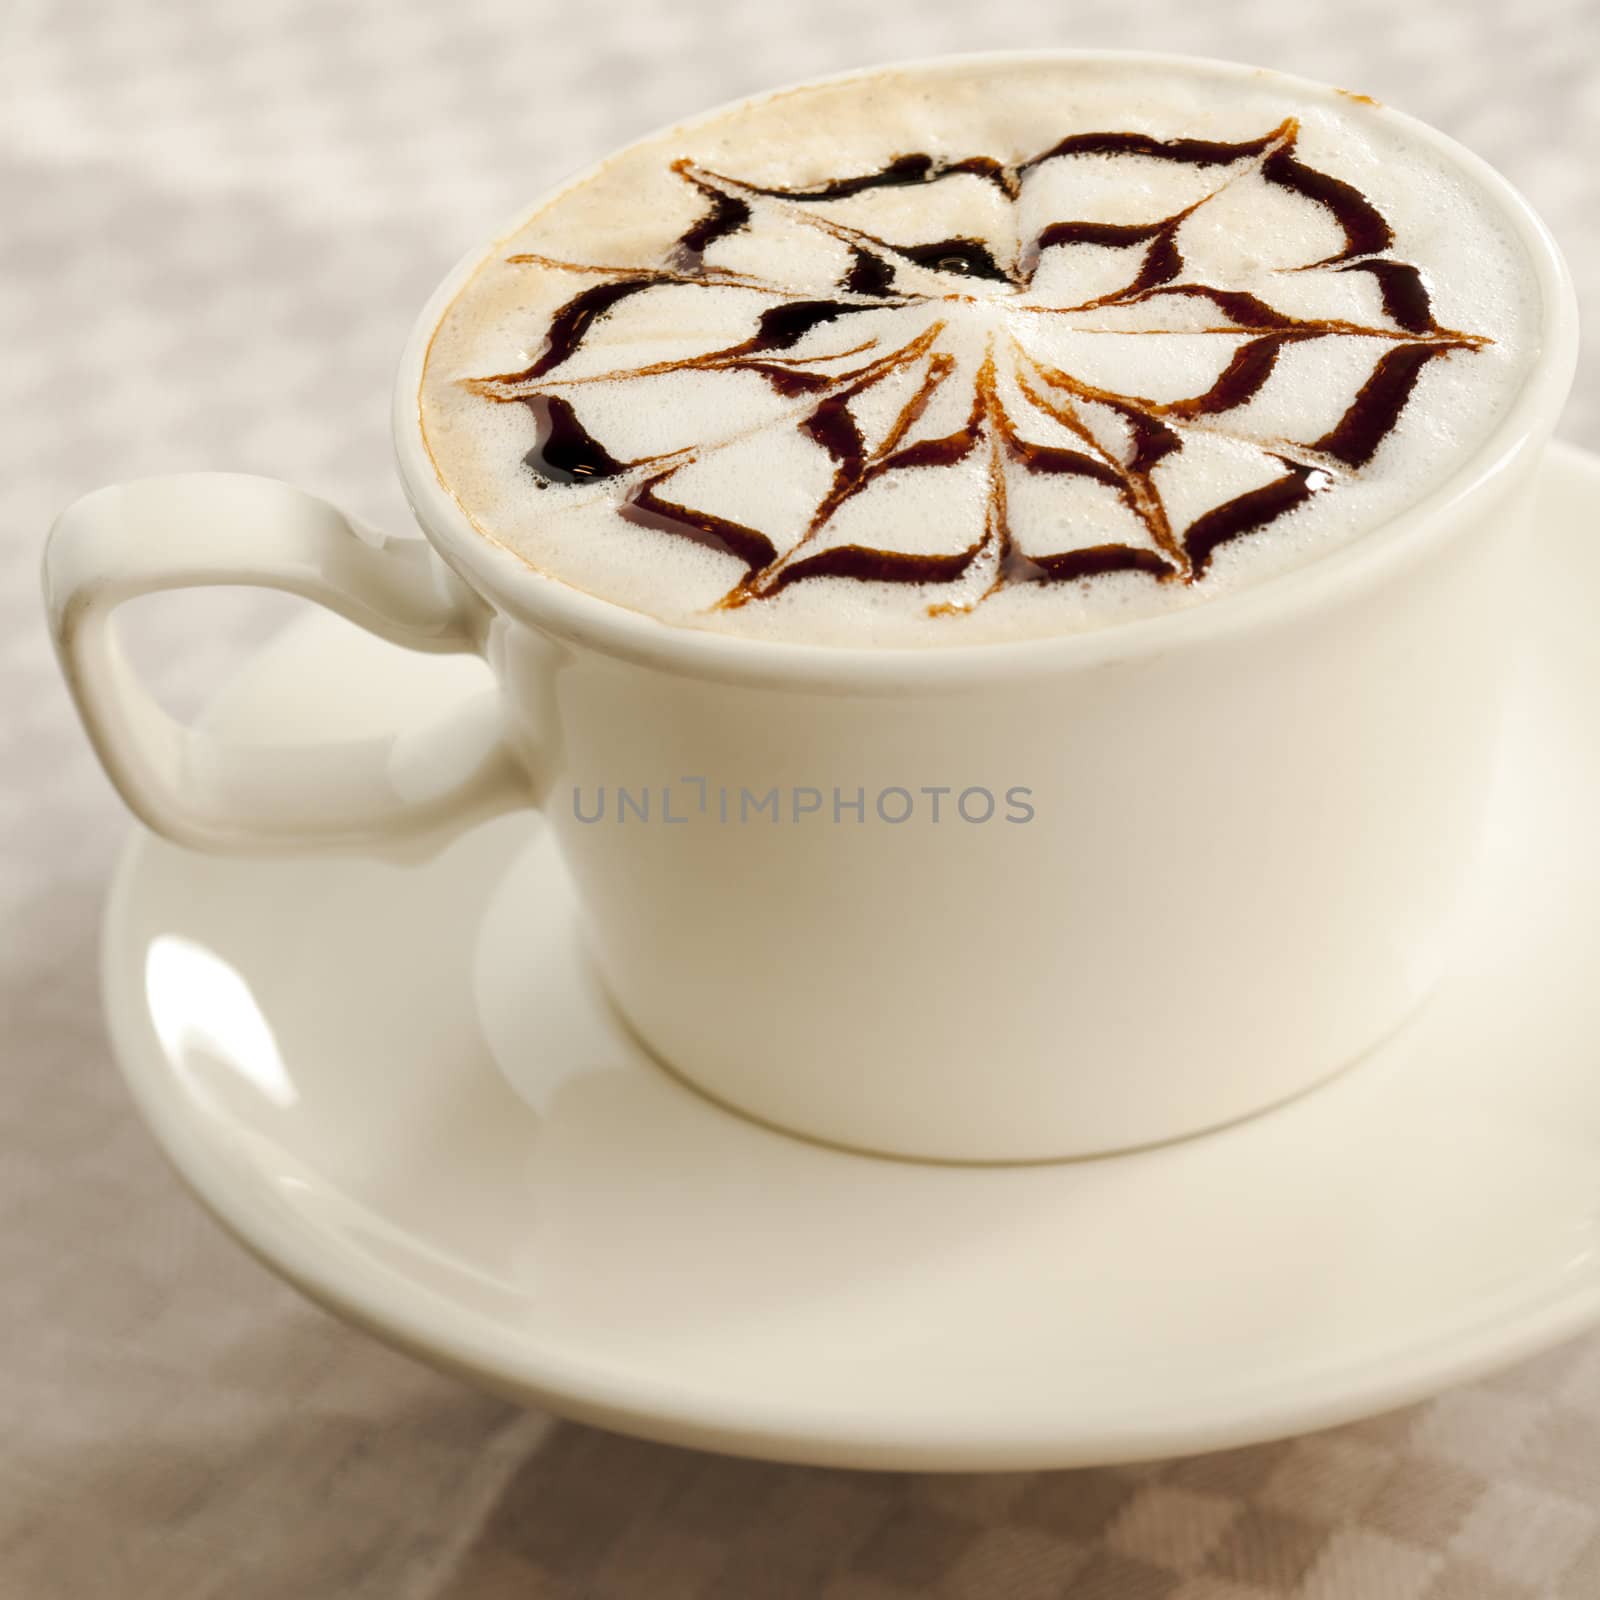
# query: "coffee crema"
[972,352]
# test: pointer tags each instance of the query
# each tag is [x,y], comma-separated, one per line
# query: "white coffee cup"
[1223,858]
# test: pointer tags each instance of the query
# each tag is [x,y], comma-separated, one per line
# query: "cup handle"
[228,528]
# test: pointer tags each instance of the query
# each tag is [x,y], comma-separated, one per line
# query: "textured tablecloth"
[216,223]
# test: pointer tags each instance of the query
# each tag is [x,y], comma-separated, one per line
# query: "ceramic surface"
[402,1088]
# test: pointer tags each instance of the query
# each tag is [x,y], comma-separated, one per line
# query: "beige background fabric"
[216,223]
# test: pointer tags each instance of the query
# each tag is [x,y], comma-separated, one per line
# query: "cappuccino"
[973,352]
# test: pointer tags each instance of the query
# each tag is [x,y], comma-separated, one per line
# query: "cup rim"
[520,590]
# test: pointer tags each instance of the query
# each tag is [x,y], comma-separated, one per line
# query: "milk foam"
[1012,403]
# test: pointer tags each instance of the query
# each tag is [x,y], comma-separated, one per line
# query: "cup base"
[908,1150]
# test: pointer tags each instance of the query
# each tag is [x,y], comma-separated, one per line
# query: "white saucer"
[400,1087]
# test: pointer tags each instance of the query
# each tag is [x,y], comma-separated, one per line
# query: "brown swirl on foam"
[872,282]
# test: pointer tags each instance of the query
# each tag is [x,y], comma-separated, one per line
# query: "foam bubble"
[1003,365]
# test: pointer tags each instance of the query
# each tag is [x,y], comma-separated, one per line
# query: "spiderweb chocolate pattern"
[824,353]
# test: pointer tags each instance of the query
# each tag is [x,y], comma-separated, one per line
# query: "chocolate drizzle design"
[824,352]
